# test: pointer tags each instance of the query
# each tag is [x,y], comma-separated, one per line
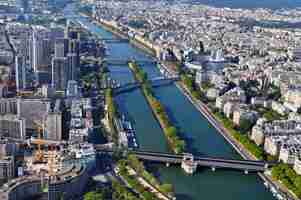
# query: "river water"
[201,137]
[271,4]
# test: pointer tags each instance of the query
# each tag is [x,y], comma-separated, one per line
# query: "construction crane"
[39,154]
[51,161]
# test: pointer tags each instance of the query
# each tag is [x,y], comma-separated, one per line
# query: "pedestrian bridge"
[190,162]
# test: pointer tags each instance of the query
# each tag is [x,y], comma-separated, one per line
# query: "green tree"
[95,195]
[171,131]
[167,188]
[245,125]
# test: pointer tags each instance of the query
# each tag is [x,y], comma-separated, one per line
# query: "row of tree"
[170,131]
[132,181]
[138,166]
[241,137]
[112,114]
[288,177]
[189,82]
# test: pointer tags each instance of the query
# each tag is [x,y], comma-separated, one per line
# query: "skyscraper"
[61,47]
[46,55]
[54,126]
[72,89]
[74,46]
[59,73]
[20,72]
[74,59]
[41,56]
[36,52]
[72,66]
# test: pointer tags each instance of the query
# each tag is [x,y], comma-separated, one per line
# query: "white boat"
[266,184]
[279,196]
[273,190]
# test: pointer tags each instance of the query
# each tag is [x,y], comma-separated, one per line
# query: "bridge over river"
[190,162]
[113,62]
[155,82]
[113,40]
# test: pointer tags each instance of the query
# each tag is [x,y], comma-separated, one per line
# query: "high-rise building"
[53,126]
[46,55]
[36,52]
[22,5]
[3,90]
[32,110]
[59,73]
[12,126]
[10,3]
[61,47]
[9,147]
[71,33]
[8,106]
[47,91]
[7,169]
[74,46]
[20,72]
[72,89]
[41,52]
[73,66]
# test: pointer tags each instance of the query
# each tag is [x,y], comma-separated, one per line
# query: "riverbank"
[237,149]
[133,172]
[136,41]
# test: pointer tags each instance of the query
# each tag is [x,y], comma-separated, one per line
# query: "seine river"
[272,4]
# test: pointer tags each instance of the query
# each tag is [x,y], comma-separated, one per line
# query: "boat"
[266,184]
[279,196]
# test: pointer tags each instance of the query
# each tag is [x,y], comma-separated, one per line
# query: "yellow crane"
[39,154]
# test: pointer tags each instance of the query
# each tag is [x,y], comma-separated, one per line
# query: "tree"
[167,188]
[171,131]
[245,125]
[179,146]
[157,106]
[136,164]
[95,195]
[144,77]
[178,67]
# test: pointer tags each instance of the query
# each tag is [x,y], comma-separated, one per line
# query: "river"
[202,138]
[271,4]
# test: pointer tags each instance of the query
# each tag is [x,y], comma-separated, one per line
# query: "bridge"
[155,82]
[126,62]
[189,162]
[115,40]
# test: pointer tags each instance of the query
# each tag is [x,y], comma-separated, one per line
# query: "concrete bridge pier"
[167,164]
[188,164]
